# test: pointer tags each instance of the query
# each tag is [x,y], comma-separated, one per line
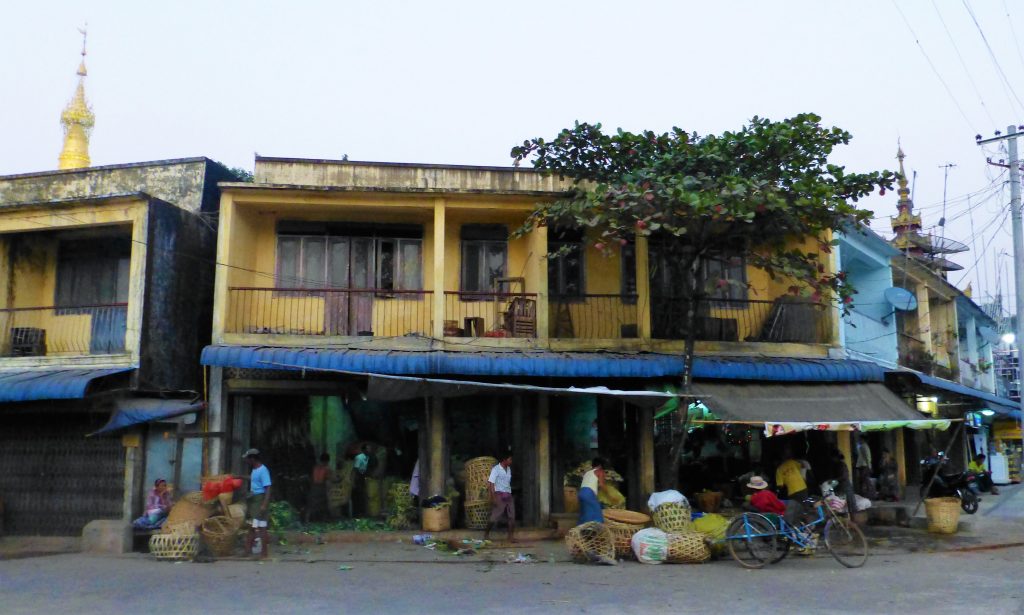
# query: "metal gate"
[54,480]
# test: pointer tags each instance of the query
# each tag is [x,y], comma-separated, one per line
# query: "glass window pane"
[288,261]
[572,272]
[123,275]
[337,263]
[496,258]
[472,269]
[362,275]
[410,265]
[314,262]
[386,264]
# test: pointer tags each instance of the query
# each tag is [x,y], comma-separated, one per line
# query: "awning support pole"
[935,474]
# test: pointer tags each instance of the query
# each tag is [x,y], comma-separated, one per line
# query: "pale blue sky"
[461,82]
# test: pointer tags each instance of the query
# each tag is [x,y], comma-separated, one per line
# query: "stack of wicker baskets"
[478,504]
[623,524]
[687,548]
[189,509]
[672,517]
[177,542]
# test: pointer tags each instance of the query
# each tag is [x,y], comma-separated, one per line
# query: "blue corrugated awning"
[541,363]
[1000,405]
[135,411]
[36,384]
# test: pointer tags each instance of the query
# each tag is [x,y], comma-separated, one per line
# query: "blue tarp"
[42,383]
[134,411]
[542,363]
[1000,405]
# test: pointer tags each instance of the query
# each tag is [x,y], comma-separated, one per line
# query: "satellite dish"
[990,335]
[901,298]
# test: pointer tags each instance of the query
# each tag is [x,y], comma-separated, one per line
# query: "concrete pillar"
[537,277]
[924,318]
[843,443]
[437,330]
[438,454]
[643,288]
[131,502]
[645,449]
[215,420]
[544,458]
[901,458]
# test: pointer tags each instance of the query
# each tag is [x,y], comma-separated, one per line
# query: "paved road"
[904,583]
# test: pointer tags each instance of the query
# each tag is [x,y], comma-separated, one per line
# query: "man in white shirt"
[499,485]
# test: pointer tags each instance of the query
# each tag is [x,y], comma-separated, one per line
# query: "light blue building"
[869,331]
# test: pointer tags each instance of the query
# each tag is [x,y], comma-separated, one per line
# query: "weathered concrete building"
[106,278]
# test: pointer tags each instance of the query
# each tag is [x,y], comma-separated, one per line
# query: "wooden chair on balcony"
[521,317]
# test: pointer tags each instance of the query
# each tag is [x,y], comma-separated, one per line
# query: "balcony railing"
[328,312]
[490,314]
[71,330]
[593,316]
[784,320]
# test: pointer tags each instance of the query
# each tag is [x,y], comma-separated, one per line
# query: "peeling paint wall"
[188,183]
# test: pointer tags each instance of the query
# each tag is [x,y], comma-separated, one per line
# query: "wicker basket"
[673,517]
[709,501]
[590,541]
[237,512]
[478,514]
[436,519]
[195,497]
[571,495]
[186,510]
[174,546]
[221,535]
[687,548]
[623,524]
[478,470]
[943,514]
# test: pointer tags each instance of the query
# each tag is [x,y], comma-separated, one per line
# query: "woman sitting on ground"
[158,504]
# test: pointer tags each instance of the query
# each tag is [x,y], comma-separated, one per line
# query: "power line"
[1013,33]
[967,70]
[992,54]
[934,69]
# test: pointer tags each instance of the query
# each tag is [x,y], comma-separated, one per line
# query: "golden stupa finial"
[906,222]
[77,120]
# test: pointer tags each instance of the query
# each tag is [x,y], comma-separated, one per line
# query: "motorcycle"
[956,484]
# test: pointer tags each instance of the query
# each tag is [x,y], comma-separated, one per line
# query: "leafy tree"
[754,190]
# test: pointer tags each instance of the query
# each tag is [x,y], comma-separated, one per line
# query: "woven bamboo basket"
[478,469]
[478,514]
[237,512]
[436,519]
[186,527]
[943,515]
[623,524]
[709,501]
[174,546]
[571,495]
[187,510]
[221,535]
[672,517]
[195,497]
[687,548]
[590,541]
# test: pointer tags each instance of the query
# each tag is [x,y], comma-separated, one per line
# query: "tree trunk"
[694,280]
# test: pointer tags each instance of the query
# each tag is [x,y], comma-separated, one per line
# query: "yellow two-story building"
[334,274]
[106,280]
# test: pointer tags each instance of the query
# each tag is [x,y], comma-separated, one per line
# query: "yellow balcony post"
[437,330]
[643,288]
[537,281]
[222,273]
[924,317]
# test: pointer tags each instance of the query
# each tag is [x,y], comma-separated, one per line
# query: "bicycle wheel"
[846,542]
[752,540]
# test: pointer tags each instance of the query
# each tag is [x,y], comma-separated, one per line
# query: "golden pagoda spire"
[906,224]
[77,120]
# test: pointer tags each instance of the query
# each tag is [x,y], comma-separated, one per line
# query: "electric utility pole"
[1018,243]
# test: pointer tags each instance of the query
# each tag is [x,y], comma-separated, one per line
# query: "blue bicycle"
[757,539]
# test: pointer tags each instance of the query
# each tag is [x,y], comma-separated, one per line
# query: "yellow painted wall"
[248,232]
[29,279]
